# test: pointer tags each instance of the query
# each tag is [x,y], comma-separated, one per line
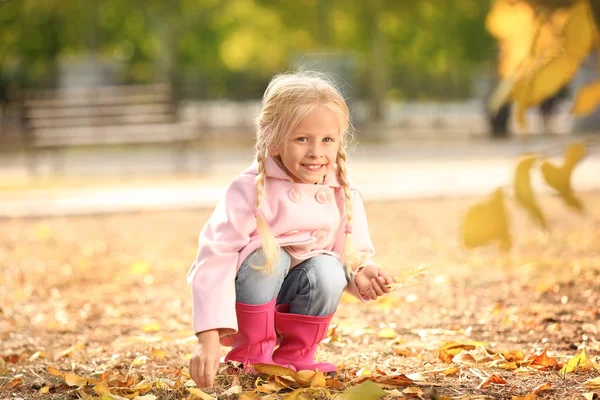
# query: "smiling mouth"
[312,167]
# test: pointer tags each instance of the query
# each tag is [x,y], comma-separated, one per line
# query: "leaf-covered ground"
[99,307]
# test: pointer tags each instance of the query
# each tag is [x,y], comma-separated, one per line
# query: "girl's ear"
[275,151]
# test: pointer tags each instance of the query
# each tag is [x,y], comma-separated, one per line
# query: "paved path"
[384,172]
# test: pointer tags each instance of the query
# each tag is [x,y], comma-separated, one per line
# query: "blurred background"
[86,86]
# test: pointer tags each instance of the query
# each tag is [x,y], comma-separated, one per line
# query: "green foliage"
[429,48]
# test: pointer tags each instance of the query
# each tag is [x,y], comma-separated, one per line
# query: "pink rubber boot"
[300,336]
[256,336]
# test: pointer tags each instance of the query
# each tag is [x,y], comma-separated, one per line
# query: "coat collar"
[275,171]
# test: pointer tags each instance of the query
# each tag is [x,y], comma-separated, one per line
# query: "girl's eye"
[302,139]
[328,139]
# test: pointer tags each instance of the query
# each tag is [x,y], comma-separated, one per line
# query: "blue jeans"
[314,287]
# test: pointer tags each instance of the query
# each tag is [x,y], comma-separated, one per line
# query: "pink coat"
[306,219]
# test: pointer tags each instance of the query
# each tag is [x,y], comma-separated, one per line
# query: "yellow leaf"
[530,396]
[504,16]
[590,396]
[453,348]
[365,391]
[523,192]
[74,380]
[43,231]
[158,354]
[146,397]
[199,394]
[487,222]
[550,78]
[271,369]
[559,178]
[139,268]
[304,377]
[44,390]
[509,365]
[593,383]
[579,362]
[249,396]
[151,327]
[587,99]
[54,371]
[101,389]
[387,333]
[270,387]
[580,31]
[451,371]
[2,365]
[318,380]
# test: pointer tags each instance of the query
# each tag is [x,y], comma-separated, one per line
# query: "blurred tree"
[221,48]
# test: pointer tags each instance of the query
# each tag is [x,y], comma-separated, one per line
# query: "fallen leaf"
[451,371]
[593,383]
[74,380]
[544,361]
[318,380]
[387,333]
[101,389]
[544,386]
[413,390]
[590,396]
[579,362]
[445,356]
[200,394]
[463,358]
[453,348]
[273,370]
[270,387]
[249,396]
[494,379]
[158,354]
[399,351]
[16,381]
[54,371]
[44,390]
[365,391]
[529,396]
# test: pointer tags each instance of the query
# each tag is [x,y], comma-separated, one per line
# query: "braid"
[269,243]
[352,258]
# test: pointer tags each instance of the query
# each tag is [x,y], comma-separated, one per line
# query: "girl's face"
[310,150]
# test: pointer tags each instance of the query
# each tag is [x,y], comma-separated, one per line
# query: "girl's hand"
[205,360]
[373,282]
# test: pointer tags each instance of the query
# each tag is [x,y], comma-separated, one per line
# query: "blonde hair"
[288,99]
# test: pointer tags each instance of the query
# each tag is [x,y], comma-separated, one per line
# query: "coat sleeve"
[360,237]
[212,275]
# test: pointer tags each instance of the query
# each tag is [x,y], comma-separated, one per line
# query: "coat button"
[294,195]
[320,236]
[322,196]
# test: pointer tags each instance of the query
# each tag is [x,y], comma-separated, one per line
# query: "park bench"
[54,120]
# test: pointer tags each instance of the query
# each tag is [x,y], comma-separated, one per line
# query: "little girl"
[285,241]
